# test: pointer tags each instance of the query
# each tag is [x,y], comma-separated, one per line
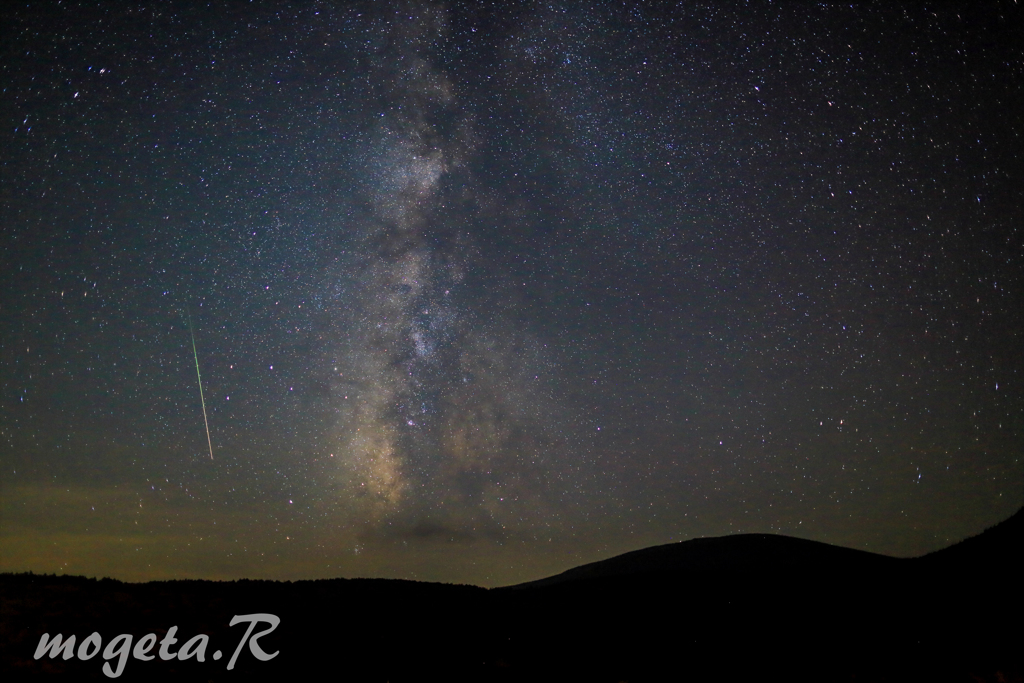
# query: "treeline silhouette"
[733,608]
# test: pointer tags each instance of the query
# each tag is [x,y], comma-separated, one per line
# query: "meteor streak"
[201,399]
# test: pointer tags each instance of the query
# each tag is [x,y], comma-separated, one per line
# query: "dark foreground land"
[735,608]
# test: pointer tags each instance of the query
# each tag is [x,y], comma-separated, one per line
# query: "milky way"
[443,429]
[481,293]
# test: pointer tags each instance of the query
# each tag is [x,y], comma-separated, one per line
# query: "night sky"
[481,292]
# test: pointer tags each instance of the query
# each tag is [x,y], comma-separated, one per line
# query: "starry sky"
[484,291]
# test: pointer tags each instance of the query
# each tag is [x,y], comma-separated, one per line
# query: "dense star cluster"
[436,423]
[483,291]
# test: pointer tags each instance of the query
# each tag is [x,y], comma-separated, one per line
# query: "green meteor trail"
[201,399]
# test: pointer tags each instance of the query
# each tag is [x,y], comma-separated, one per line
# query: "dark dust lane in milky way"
[481,293]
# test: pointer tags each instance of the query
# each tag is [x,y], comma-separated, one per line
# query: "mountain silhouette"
[744,607]
[741,552]
[995,548]
[998,547]
[739,606]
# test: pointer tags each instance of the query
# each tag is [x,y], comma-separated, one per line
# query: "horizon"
[479,295]
[469,585]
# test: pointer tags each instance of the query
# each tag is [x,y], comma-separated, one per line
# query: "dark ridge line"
[727,553]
